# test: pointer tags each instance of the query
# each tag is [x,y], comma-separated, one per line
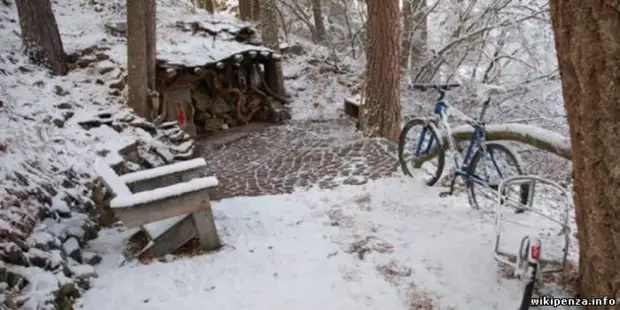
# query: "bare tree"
[151,49]
[269,31]
[208,5]
[319,26]
[380,115]
[245,10]
[137,62]
[255,10]
[588,49]
[414,32]
[40,35]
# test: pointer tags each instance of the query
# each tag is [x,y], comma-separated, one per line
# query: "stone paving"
[278,159]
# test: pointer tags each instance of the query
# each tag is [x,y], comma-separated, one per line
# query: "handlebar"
[441,88]
[438,87]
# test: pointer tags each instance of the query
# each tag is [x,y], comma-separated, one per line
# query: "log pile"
[232,91]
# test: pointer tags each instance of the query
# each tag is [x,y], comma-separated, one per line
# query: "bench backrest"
[111,179]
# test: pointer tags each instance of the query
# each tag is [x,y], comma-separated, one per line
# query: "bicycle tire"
[528,292]
[478,155]
[429,126]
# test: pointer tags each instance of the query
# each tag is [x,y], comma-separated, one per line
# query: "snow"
[163,192]
[304,250]
[156,229]
[557,141]
[111,179]
[163,170]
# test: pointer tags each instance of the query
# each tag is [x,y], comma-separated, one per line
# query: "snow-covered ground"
[390,244]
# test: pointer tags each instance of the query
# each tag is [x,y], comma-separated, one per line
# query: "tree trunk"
[137,69]
[588,48]
[40,35]
[245,10]
[380,115]
[209,5]
[319,27]
[414,33]
[269,31]
[255,10]
[151,53]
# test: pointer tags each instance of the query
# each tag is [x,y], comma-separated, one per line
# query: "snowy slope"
[391,244]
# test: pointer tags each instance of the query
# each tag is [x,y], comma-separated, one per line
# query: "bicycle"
[477,153]
[528,264]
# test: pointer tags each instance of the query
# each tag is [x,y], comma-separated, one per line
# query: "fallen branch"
[531,135]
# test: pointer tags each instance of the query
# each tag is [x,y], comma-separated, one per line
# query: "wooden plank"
[110,179]
[171,239]
[164,170]
[206,229]
[166,180]
[142,214]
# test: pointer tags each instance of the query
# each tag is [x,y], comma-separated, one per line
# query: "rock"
[64,106]
[13,254]
[106,70]
[91,230]
[82,271]
[57,258]
[213,124]
[58,122]
[67,115]
[13,279]
[86,61]
[43,240]
[91,258]
[60,91]
[102,56]
[72,248]
[118,29]
[39,258]
[118,85]
[296,49]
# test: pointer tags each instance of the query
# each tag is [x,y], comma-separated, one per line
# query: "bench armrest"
[162,171]
[162,193]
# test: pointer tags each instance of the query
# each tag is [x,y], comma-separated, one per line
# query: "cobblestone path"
[278,159]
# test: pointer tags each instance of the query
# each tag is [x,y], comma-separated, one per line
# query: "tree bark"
[40,35]
[269,31]
[380,113]
[414,33]
[137,68]
[209,5]
[256,10]
[245,10]
[319,26]
[151,52]
[588,47]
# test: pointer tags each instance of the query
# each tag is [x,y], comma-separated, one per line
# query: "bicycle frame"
[477,140]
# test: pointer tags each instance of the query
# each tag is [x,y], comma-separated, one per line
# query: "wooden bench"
[171,204]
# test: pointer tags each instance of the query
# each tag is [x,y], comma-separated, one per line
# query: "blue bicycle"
[484,165]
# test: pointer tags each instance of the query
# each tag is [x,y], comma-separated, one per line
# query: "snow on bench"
[171,204]
[169,174]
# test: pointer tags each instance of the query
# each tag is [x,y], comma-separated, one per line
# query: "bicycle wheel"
[493,166]
[419,138]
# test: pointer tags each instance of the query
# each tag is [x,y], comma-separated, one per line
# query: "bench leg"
[205,228]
